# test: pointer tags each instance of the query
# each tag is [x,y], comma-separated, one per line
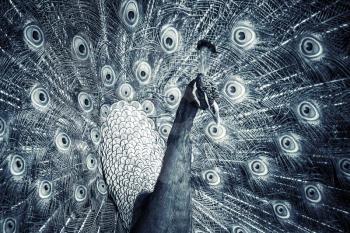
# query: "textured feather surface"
[278,163]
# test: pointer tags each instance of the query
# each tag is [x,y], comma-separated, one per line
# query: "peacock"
[179,116]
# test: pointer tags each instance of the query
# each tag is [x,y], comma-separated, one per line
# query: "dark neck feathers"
[168,208]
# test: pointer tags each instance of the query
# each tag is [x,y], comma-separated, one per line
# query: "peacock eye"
[17,167]
[104,110]
[95,135]
[312,193]
[243,36]
[108,76]
[9,225]
[131,13]
[101,187]
[308,111]
[85,101]
[148,107]
[310,47]
[288,144]
[345,166]
[164,130]
[126,91]
[34,36]
[281,210]
[169,39]
[173,97]
[80,48]
[143,72]
[80,193]
[211,177]
[234,90]
[215,131]
[239,230]
[2,127]
[91,162]
[258,167]
[45,189]
[40,97]
[62,141]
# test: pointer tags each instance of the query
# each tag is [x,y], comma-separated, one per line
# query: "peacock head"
[206,50]
[205,92]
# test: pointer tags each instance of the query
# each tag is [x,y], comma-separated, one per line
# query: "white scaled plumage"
[132,153]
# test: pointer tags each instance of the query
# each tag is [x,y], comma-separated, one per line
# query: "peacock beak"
[214,110]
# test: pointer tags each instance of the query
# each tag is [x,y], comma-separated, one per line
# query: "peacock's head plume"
[205,49]
[205,91]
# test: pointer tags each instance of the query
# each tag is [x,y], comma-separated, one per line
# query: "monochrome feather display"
[89,91]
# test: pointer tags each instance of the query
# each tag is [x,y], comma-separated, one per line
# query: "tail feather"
[278,162]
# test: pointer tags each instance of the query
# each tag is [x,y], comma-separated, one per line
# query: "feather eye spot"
[95,136]
[126,92]
[288,144]
[9,225]
[311,48]
[45,189]
[173,97]
[63,142]
[80,47]
[143,72]
[344,165]
[2,127]
[34,36]
[85,102]
[243,36]
[169,39]
[148,107]
[108,76]
[281,210]
[215,131]
[212,177]
[312,193]
[234,90]
[101,187]
[17,167]
[238,229]
[80,193]
[130,13]
[258,167]
[39,97]
[164,130]
[104,111]
[308,111]
[91,162]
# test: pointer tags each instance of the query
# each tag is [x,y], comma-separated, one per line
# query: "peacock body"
[89,91]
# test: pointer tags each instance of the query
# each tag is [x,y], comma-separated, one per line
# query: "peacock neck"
[183,122]
[177,159]
[169,206]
